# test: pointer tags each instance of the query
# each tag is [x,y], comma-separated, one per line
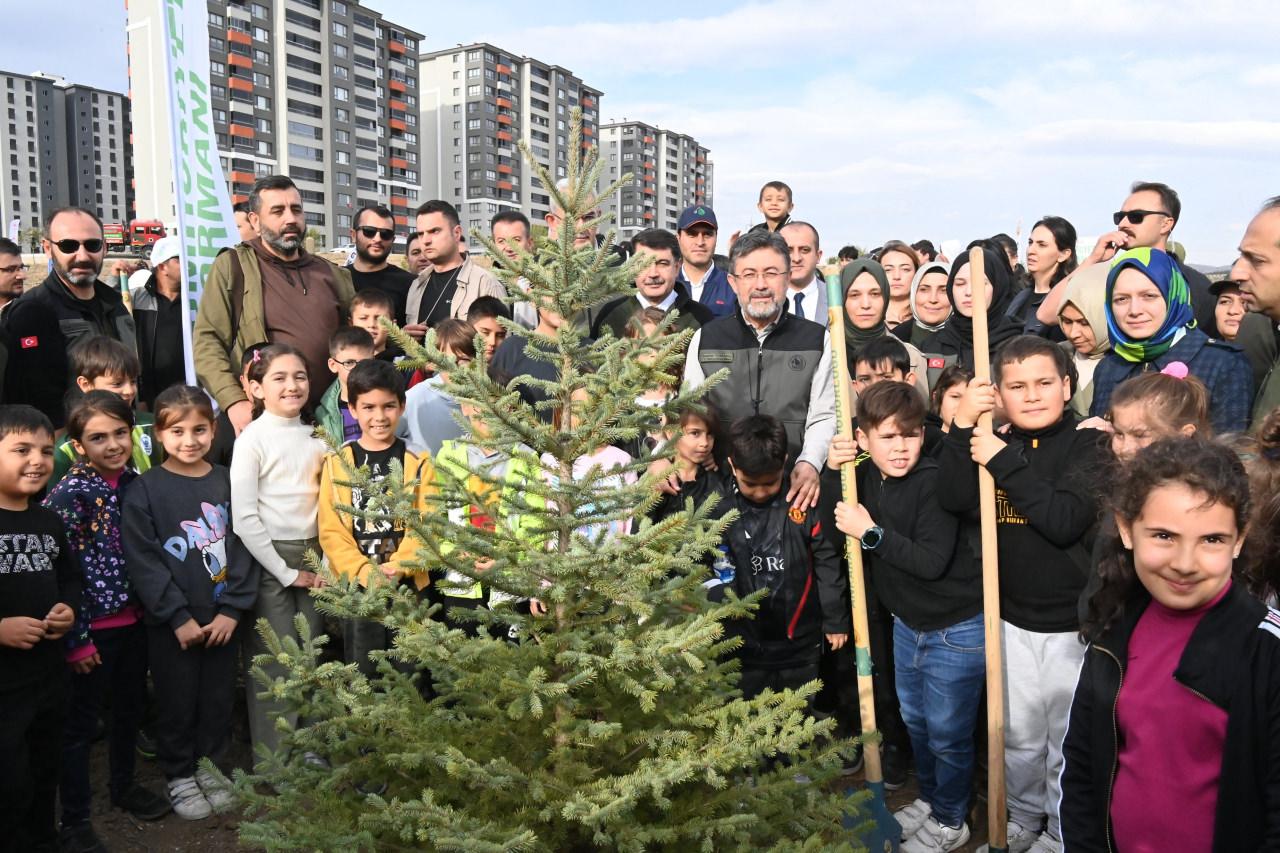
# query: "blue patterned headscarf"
[1164,273]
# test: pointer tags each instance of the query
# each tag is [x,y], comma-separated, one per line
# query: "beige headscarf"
[1087,291]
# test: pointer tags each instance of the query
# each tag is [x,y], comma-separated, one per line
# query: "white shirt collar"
[665,304]
[810,303]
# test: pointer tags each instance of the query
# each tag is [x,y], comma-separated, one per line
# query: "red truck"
[143,233]
[115,236]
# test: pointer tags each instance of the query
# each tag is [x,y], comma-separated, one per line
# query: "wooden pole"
[887,831]
[997,816]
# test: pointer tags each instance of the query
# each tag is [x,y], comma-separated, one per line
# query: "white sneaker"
[215,791]
[188,801]
[1045,844]
[912,817]
[1018,839]
[933,837]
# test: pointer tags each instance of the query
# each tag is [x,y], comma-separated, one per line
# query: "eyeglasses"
[347,364]
[1135,216]
[751,276]
[370,232]
[13,269]
[70,247]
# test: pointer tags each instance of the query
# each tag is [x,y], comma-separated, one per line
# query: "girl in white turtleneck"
[275,488]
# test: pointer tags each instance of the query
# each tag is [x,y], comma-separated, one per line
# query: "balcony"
[503,103]
[504,136]
[240,84]
[504,169]
[242,177]
[504,69]
[398,163]
[588,131]
[503,118]
[648,215]
[398,106]
[402,221]
[506,185]
[648,140]
[239,61]
[399,201]
[396,47]
[239,37]
[236,198]
[397,124]
[588,102]
[241,131]
[397,86]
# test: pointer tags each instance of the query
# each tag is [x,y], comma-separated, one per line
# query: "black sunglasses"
[1135,216]
[70,247]
[370,232]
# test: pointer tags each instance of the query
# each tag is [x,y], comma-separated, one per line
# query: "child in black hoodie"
[932,586]
[775,547]
[1046,508]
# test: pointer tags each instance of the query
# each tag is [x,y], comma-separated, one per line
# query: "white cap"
[164,249]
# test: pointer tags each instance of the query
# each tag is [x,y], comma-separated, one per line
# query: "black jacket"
[41,327]
[786,553]
[1047,512]
[159,335]
[922,572]
[615,315]
[1233,661]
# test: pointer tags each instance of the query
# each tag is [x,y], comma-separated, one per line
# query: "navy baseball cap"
[698,213]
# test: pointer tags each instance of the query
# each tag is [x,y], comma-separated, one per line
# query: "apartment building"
[477,101]
[669,170]
[324,91]
[62,143]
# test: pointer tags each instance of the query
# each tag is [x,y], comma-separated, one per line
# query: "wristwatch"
[872,537]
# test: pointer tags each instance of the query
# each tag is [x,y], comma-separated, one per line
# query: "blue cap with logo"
[698,214]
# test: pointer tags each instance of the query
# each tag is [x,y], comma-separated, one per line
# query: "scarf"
[957,335]
[854,338]
[925,269]
[1087,292]
[1179,316]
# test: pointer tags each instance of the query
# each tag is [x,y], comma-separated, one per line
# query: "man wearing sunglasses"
[373,235]
[13,273]
[70,306]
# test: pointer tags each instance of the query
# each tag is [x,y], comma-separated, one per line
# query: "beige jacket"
[473,282]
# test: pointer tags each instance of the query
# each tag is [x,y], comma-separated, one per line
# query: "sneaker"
[933,837]
[188,801]
[316,761]
[146,745]
[893,766]
[912,817]
[852,764]
[1018,839]
[80,838]
[142,803]
[1046,843]
[217,792]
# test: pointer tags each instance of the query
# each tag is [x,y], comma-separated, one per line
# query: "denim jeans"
[940,676]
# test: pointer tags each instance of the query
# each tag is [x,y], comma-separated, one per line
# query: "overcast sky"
[903,119]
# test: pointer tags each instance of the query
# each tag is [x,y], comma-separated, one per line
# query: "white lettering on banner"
[205,222]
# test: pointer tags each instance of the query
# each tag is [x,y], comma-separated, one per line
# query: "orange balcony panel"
[648,191]
[397,105]
[503,103]
[241,131]
[588,131]
[588,101]
[396,46]
[402,220]
[648,164]
[397,124]
[504,119]
[240,84]
[399,201]
[504,136]
[648,214]
[241,177]
[239,197]
[239,37]
[504,69]
[238,60]
[648,140]
[399,163]
[397,86]
[505,185]
[504,169]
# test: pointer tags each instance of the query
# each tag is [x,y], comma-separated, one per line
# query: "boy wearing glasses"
[348,347]
[374,233]
[41,328]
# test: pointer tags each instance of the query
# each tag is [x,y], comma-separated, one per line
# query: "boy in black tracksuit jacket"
[930,582]
[1045,472]
[782,550]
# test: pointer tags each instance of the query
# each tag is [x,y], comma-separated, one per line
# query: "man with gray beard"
[779,364]
[71,305]
[268,290]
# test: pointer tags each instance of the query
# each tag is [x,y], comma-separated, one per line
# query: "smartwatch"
[872,537]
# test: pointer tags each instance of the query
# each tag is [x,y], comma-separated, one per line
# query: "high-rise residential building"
[477,102]
[62,143]
[669,170]
[324,91]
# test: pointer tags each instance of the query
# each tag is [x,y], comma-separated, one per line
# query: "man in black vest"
[779,364]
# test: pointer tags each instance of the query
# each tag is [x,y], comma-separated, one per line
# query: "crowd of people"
[1135,448]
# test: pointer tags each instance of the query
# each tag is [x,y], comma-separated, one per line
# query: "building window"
[338,8]
[339,29]
[341,94]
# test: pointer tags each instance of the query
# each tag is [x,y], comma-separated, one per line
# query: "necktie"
[798,301]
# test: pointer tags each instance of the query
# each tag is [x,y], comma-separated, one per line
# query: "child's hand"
[84,666]
[853,520]
[189,634]
[842,450]
[219,631]
[21,632]
[59,621]
[389,571]
[670,482]
[1097,423]
[484,564]
[306,580]
[537,607]
[979,398]
[837,641]
[984,445]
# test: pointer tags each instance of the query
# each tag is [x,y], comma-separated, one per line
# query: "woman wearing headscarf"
[866,303]
[1152,326]
[955,342]
[1083,320]
[929,306]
